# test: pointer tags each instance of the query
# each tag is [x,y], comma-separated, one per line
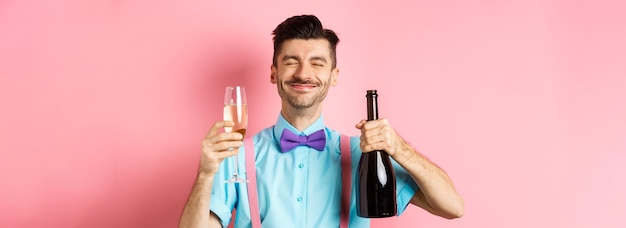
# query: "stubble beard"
[303,102]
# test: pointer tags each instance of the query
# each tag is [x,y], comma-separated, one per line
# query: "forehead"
[306,48]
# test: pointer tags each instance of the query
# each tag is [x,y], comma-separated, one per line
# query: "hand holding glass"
[236,110]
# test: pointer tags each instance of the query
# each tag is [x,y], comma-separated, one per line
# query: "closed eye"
[290,60]
[319,61]
[291,63]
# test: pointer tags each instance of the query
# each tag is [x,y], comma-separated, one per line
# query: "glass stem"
[236,165]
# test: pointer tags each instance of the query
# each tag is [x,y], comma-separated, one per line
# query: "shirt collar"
[281,124]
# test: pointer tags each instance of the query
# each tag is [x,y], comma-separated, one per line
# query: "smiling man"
[301,186]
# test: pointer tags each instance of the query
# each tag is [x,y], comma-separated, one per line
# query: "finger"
[373,139]
[372,147]
[360,124]
[373,131]
[370,133]
[226,146]
[218,125]
[384,130]
[227,153]
[375,124]
[378,139]
[231,136]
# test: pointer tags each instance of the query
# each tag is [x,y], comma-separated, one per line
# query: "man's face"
[304,72]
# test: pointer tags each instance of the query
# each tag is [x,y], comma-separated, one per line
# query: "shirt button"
[299,199]
[300,165]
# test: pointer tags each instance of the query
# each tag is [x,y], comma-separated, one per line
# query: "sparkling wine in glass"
[236,110]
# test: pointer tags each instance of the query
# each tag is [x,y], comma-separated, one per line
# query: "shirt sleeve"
[224,194]
[405,187]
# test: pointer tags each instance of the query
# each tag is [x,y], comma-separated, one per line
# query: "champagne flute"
[236,110]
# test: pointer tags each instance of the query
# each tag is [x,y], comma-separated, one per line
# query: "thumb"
[360,124]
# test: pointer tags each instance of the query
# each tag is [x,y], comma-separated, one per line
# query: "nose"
[304,72]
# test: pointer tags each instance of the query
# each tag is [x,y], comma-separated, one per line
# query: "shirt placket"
[301,170]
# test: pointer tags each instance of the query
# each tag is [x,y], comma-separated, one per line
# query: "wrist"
[400,149]
[405,153]
[205,175]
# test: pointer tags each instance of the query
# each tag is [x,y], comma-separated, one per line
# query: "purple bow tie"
[289,140]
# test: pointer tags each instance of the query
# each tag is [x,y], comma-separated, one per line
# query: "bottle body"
[376,195]
[376,181]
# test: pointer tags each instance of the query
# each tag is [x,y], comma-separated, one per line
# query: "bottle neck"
[372,106]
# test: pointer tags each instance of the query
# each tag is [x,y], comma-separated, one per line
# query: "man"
[301,187]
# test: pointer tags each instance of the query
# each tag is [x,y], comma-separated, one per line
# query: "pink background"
[104,103]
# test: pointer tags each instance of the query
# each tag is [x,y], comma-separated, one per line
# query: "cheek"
[284,73]
[329,80]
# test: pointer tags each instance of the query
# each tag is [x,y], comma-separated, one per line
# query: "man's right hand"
[217,146]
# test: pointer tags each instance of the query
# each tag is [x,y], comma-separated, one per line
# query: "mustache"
[300,81]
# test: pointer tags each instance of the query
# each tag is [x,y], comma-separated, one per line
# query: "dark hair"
[304,27]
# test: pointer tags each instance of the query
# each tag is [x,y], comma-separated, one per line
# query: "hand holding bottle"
[379,135]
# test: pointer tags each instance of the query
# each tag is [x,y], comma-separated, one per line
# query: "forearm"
[196,212]
[437,193]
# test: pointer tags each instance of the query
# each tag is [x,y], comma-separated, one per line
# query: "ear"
[273,71]
[334,74]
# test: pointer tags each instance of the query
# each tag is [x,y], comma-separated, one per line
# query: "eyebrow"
[288,57]
[320,58]
[313,58]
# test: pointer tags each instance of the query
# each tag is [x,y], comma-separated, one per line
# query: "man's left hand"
[379,135]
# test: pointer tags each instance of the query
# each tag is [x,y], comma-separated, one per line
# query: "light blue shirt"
[300,188]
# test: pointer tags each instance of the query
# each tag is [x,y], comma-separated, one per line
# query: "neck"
[301,118]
